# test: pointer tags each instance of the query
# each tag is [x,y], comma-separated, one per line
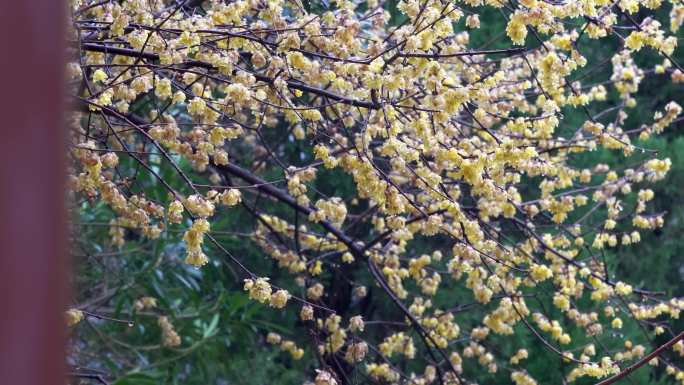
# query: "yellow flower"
[163,89]
[616,323]
[635,40]
[298,60]
[231,197]
[170,337]
[273,338]
[279,299]
[516,29]
[315,292]
[196,258]
[376,65]
[178,97]
[197,107]
[73,317]
[473,21]
[306,314]
[110,160]
[175,212]
[260,290]
[194,238]
[324,378]
[347,257]
[540,272]
[312,115]
[356,352]
[99,76]
[356,324]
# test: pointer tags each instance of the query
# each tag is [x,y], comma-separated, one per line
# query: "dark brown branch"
[90,376]
[624,373]
[464,53]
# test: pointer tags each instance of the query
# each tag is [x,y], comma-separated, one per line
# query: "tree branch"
[641,362]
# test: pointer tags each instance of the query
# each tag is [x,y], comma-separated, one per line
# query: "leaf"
[189,283]
[211,329]
[136,379]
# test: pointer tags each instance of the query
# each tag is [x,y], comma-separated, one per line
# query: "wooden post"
[32,231]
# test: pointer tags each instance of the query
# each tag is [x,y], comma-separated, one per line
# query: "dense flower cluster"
[443,146]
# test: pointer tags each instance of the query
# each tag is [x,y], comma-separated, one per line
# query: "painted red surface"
[32,233]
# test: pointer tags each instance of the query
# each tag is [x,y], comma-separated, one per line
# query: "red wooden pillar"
[33,262]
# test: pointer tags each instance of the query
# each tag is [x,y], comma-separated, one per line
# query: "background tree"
[360,192]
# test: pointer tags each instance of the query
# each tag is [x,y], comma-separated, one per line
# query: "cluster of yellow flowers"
[332,210]
[398,343]
[194,238]
[145,303]
[604,368]
[518,356]
[286,345]
[382,372]
[438,141]
[260,290]
[133,212]
[356,352]
[169,336]
[522,378]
